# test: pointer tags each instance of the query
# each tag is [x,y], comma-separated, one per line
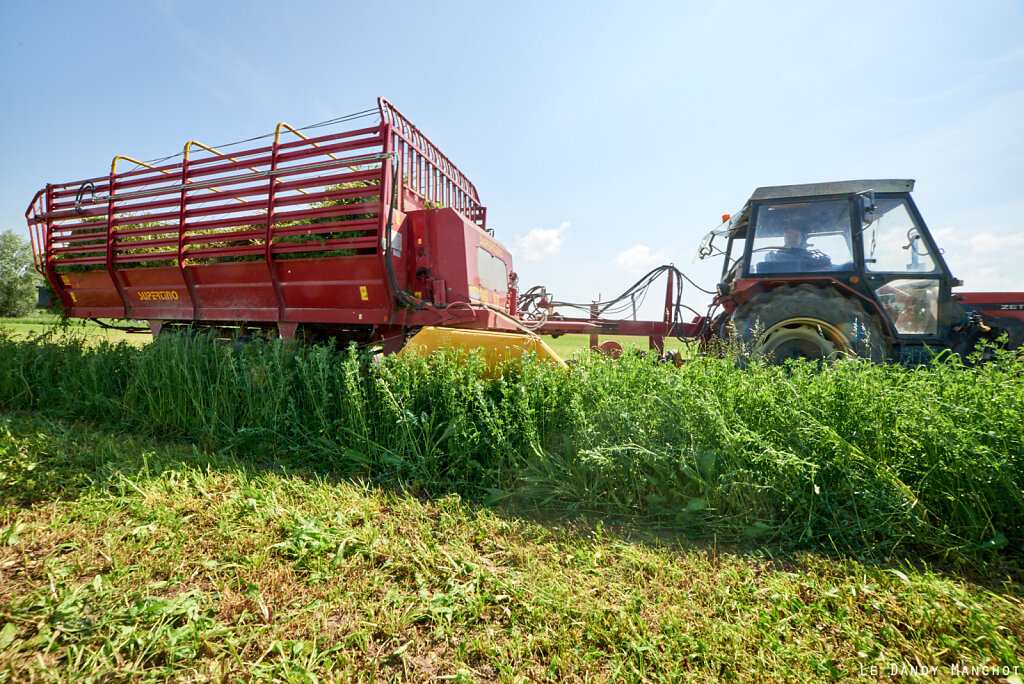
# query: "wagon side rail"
[306,195]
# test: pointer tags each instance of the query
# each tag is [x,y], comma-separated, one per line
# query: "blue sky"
[603,137]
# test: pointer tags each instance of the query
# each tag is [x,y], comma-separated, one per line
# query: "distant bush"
[18,278]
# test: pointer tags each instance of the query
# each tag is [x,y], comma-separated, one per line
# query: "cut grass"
[131,558]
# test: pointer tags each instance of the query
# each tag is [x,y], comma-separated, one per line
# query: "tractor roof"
[836,188]
[737,226]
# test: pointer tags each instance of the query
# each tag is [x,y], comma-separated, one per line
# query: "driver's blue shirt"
[794,259]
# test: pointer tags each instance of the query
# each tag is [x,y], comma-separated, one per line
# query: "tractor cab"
[862,241]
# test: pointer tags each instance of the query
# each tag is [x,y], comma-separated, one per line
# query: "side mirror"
[867,206]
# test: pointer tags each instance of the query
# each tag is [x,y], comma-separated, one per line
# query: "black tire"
[807,322]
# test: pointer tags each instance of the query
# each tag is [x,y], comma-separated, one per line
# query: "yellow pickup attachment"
[495,346]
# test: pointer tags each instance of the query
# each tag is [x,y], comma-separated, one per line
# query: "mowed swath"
[143,559]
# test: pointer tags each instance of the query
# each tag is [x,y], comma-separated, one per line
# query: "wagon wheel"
[609,348]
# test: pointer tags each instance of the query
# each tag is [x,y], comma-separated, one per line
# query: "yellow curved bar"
[277,132]
[113,164]
[277,136]
[217,152]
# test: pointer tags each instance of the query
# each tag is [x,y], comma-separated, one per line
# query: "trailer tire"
[808,322]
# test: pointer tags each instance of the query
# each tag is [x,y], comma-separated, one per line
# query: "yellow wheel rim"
[802,338]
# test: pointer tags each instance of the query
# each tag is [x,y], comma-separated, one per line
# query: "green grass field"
[567,346]
[41,322]
[186,510]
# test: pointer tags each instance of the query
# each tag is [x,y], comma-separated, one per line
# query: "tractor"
[822,270]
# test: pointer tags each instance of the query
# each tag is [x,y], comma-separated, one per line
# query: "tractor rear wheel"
[807,322]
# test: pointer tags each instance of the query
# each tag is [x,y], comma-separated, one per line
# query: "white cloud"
[640,258]
[540,243]
[985,261]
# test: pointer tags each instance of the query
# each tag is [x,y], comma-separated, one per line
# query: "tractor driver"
[795,255]
[794,238]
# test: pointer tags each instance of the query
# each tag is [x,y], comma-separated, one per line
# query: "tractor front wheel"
[807,322]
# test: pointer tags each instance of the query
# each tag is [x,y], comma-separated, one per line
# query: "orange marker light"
[726,217]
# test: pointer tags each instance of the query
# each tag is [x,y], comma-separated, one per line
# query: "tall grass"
[868,460]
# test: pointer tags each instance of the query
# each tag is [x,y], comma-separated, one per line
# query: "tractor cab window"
[802,237]
[912,304]
[906,271]
[892,240]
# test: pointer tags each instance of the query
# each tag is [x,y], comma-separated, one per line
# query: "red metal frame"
[655,331]
[427,174]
